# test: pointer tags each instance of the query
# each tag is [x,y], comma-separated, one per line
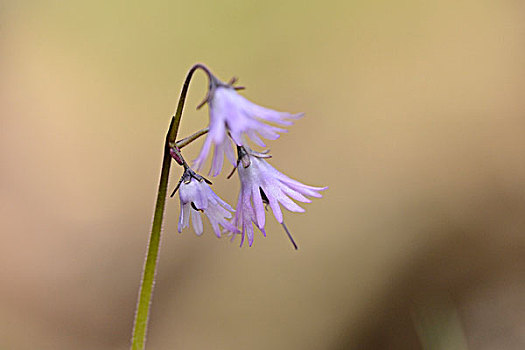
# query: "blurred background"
[415,116]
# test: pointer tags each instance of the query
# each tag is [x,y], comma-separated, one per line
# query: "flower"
[196,196]
[262,184]
[231,113]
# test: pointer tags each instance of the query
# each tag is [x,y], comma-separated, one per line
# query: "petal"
[267,132]
[228,226]
[294,194]
[196,220]
[200,197]
[294,184]
[268,114]
[229,152]
[259,207]
[215,227]
[197,163]
[236,135]
[290,205]
[275,191]
[255,138]
[217,216]
[184,218]
[276,209]
[249,231]
[220,201]
[306,190]
[242,237]
[218,160]
[217,129]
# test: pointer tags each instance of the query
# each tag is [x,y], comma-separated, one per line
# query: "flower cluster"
[233,120]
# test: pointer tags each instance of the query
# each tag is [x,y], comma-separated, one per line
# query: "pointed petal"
[275,191]
[294,194]
[255,138]
[249,232]
[268,133]
[215,227]
[197,163]
[306,190]
[218,160]
[196,220]
[181,219]
[184,216]
[259,206]
[229,152]
[276,209]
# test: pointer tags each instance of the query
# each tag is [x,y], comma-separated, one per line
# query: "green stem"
[187,140]
[150,265]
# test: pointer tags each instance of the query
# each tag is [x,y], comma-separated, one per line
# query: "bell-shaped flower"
[232,114]
[262,184]
[196,196]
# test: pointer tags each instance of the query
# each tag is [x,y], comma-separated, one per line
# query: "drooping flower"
[231,113]
[262,184]
[196,196]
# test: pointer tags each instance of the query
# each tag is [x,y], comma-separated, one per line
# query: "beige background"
[415,116]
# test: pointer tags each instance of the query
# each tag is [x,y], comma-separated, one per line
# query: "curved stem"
[172,133]
[140,324]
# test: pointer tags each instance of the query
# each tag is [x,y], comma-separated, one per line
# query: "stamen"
[289,235]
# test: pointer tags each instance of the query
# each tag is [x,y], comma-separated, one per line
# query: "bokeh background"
[415,119]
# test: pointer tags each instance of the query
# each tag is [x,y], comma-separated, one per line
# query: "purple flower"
[262,184]
[196,196]
[231,113]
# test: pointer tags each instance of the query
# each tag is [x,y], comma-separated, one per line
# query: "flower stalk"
[140,324]
[232,119]
[187,140]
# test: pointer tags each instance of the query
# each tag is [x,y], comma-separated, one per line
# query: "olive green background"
[415,117]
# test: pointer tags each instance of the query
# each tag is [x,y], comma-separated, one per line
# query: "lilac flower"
[231,113]
[262,184]
[196,196]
